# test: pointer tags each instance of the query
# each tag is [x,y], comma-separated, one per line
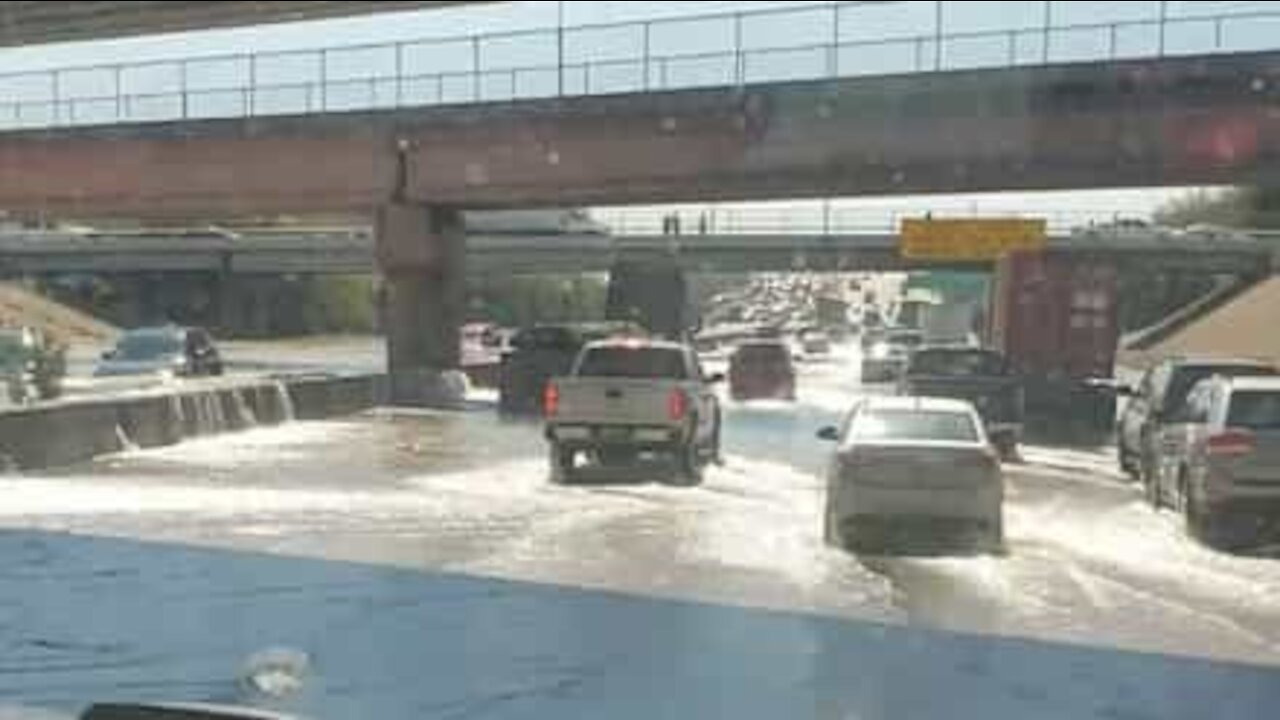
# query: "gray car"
[910,466]
[1221,464]
[168,351]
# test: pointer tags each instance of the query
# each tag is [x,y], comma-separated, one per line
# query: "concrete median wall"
[75,431]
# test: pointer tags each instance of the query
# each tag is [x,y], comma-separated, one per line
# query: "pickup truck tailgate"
[613,401]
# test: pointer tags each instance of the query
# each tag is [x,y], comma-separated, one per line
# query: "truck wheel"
[831,535]
[1201,523]
[1151,489]
[1007,447]
[1125,460]
[562,469]
[1148,467]
[689,465]
[995,534]
[715,455]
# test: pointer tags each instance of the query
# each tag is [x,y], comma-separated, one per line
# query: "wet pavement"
[376,546]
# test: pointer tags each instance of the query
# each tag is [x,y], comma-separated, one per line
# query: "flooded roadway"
[463,498]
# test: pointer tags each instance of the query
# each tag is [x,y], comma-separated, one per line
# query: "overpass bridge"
[769,104]
[729,108]
[319,251]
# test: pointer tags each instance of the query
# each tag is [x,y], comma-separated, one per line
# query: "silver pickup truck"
[629,401]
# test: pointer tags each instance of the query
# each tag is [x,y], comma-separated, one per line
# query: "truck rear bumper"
[640,437]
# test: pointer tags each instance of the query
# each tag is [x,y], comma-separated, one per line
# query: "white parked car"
[911,466]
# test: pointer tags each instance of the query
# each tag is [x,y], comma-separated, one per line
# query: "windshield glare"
[148,346]
[908,425]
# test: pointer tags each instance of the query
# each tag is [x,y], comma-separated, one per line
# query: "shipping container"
[653,294]
[1055,317]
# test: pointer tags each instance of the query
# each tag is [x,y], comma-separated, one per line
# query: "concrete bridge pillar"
[421,254]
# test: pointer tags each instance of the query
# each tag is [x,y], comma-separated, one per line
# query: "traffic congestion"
[748,468]
[470,360]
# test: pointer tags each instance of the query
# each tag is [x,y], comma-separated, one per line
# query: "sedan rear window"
[149,344]
[642,362]
[1254,410]
[914,425]
[1186,377]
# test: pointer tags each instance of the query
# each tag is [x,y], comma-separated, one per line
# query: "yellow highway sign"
[972,239]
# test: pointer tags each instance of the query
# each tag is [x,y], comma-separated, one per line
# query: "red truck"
[1054,317]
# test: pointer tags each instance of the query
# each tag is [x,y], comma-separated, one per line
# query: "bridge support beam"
[421,255]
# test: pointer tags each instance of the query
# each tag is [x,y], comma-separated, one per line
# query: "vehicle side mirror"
[829,433]
[1112,385]
[715,378]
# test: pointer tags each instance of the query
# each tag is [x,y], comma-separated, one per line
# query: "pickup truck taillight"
[1230,442]
[677,405]
[550,400]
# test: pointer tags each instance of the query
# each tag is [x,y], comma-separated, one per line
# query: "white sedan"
[909,466]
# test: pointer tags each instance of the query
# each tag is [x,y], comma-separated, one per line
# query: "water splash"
[244,411]
[286,402]
[125,442]
[275,673]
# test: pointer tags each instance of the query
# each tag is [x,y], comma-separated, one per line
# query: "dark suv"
[540,353]
[762,369]
[979,375]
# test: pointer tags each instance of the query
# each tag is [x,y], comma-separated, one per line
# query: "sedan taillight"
[551,400]
[1230,442]
[677,405]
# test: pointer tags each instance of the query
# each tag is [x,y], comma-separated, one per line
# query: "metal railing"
[722,49]
[824,218]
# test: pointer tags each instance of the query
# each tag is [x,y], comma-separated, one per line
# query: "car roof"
[1251,383]
[157,330]
[916,402]
[957,348]
[635,344]
[1189,360]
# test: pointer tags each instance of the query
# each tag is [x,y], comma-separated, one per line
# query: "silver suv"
[1221,464]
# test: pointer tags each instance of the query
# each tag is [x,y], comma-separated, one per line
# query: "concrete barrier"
[72,431]
[37,437]
[315,398]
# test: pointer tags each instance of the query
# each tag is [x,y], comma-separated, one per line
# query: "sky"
[777,37]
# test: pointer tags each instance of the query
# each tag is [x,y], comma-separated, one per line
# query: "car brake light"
[1231,442]
[677,405]
[551,400]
